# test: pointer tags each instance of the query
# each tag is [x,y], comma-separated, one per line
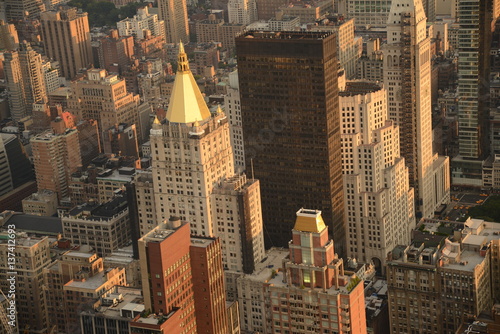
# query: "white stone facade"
[379,203]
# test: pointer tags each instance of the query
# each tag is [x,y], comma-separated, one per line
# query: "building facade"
[31,304]
[232,107]
[104,227]
[438,282]
[379,203]
[277,299]
[349,47]
[41,203]
[143,20]
[208,285]
[474,35]
[288,88]
[104,97]
[174,14]
[66,36]
[56,156]
[116,52]
[22,10]
[167,280]
[193,173]
[407,77]
[242,11]
[25,80]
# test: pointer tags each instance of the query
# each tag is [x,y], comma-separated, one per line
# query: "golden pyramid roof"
[186,102]
[309,221]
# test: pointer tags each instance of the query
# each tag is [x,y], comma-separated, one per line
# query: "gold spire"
[309,221]
[156,121]
[219,110]
[187,104]
[182,59]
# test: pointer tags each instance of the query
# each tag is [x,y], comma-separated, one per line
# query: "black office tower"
[289,104]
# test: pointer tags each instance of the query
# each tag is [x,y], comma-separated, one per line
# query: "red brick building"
[167,279]
[208,285]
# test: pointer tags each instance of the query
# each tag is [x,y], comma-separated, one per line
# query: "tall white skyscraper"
[407,76]
[193,175]
[379,202]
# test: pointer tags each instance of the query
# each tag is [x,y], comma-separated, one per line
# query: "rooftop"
[32,223]
[95,211]
[91,283]
[271,262]
[123,174]
[291,35]
[22,241]
[156,319]
[158,235]
[201,241]
[130,303]
[309,221]
[360,87]
[468,261]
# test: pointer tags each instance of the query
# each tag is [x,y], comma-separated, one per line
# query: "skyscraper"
[407,76]
[66,38]
[56,156]
[289,108]
[379,201]
[193,175]
[474,34]
[25,80]
[174,13]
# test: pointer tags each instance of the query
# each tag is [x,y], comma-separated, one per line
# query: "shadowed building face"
[289,107]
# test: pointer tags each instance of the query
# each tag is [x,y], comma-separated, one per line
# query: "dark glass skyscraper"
[289,105]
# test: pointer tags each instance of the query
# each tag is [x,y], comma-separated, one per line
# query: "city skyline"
[249,166]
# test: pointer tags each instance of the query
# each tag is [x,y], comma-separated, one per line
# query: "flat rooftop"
[132,302]
[35,224]
[468,261]
[201,242]
[22,241]
[123,174]
[292,35]
[353,88]
[94,211]
[92,283]
[272,262]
